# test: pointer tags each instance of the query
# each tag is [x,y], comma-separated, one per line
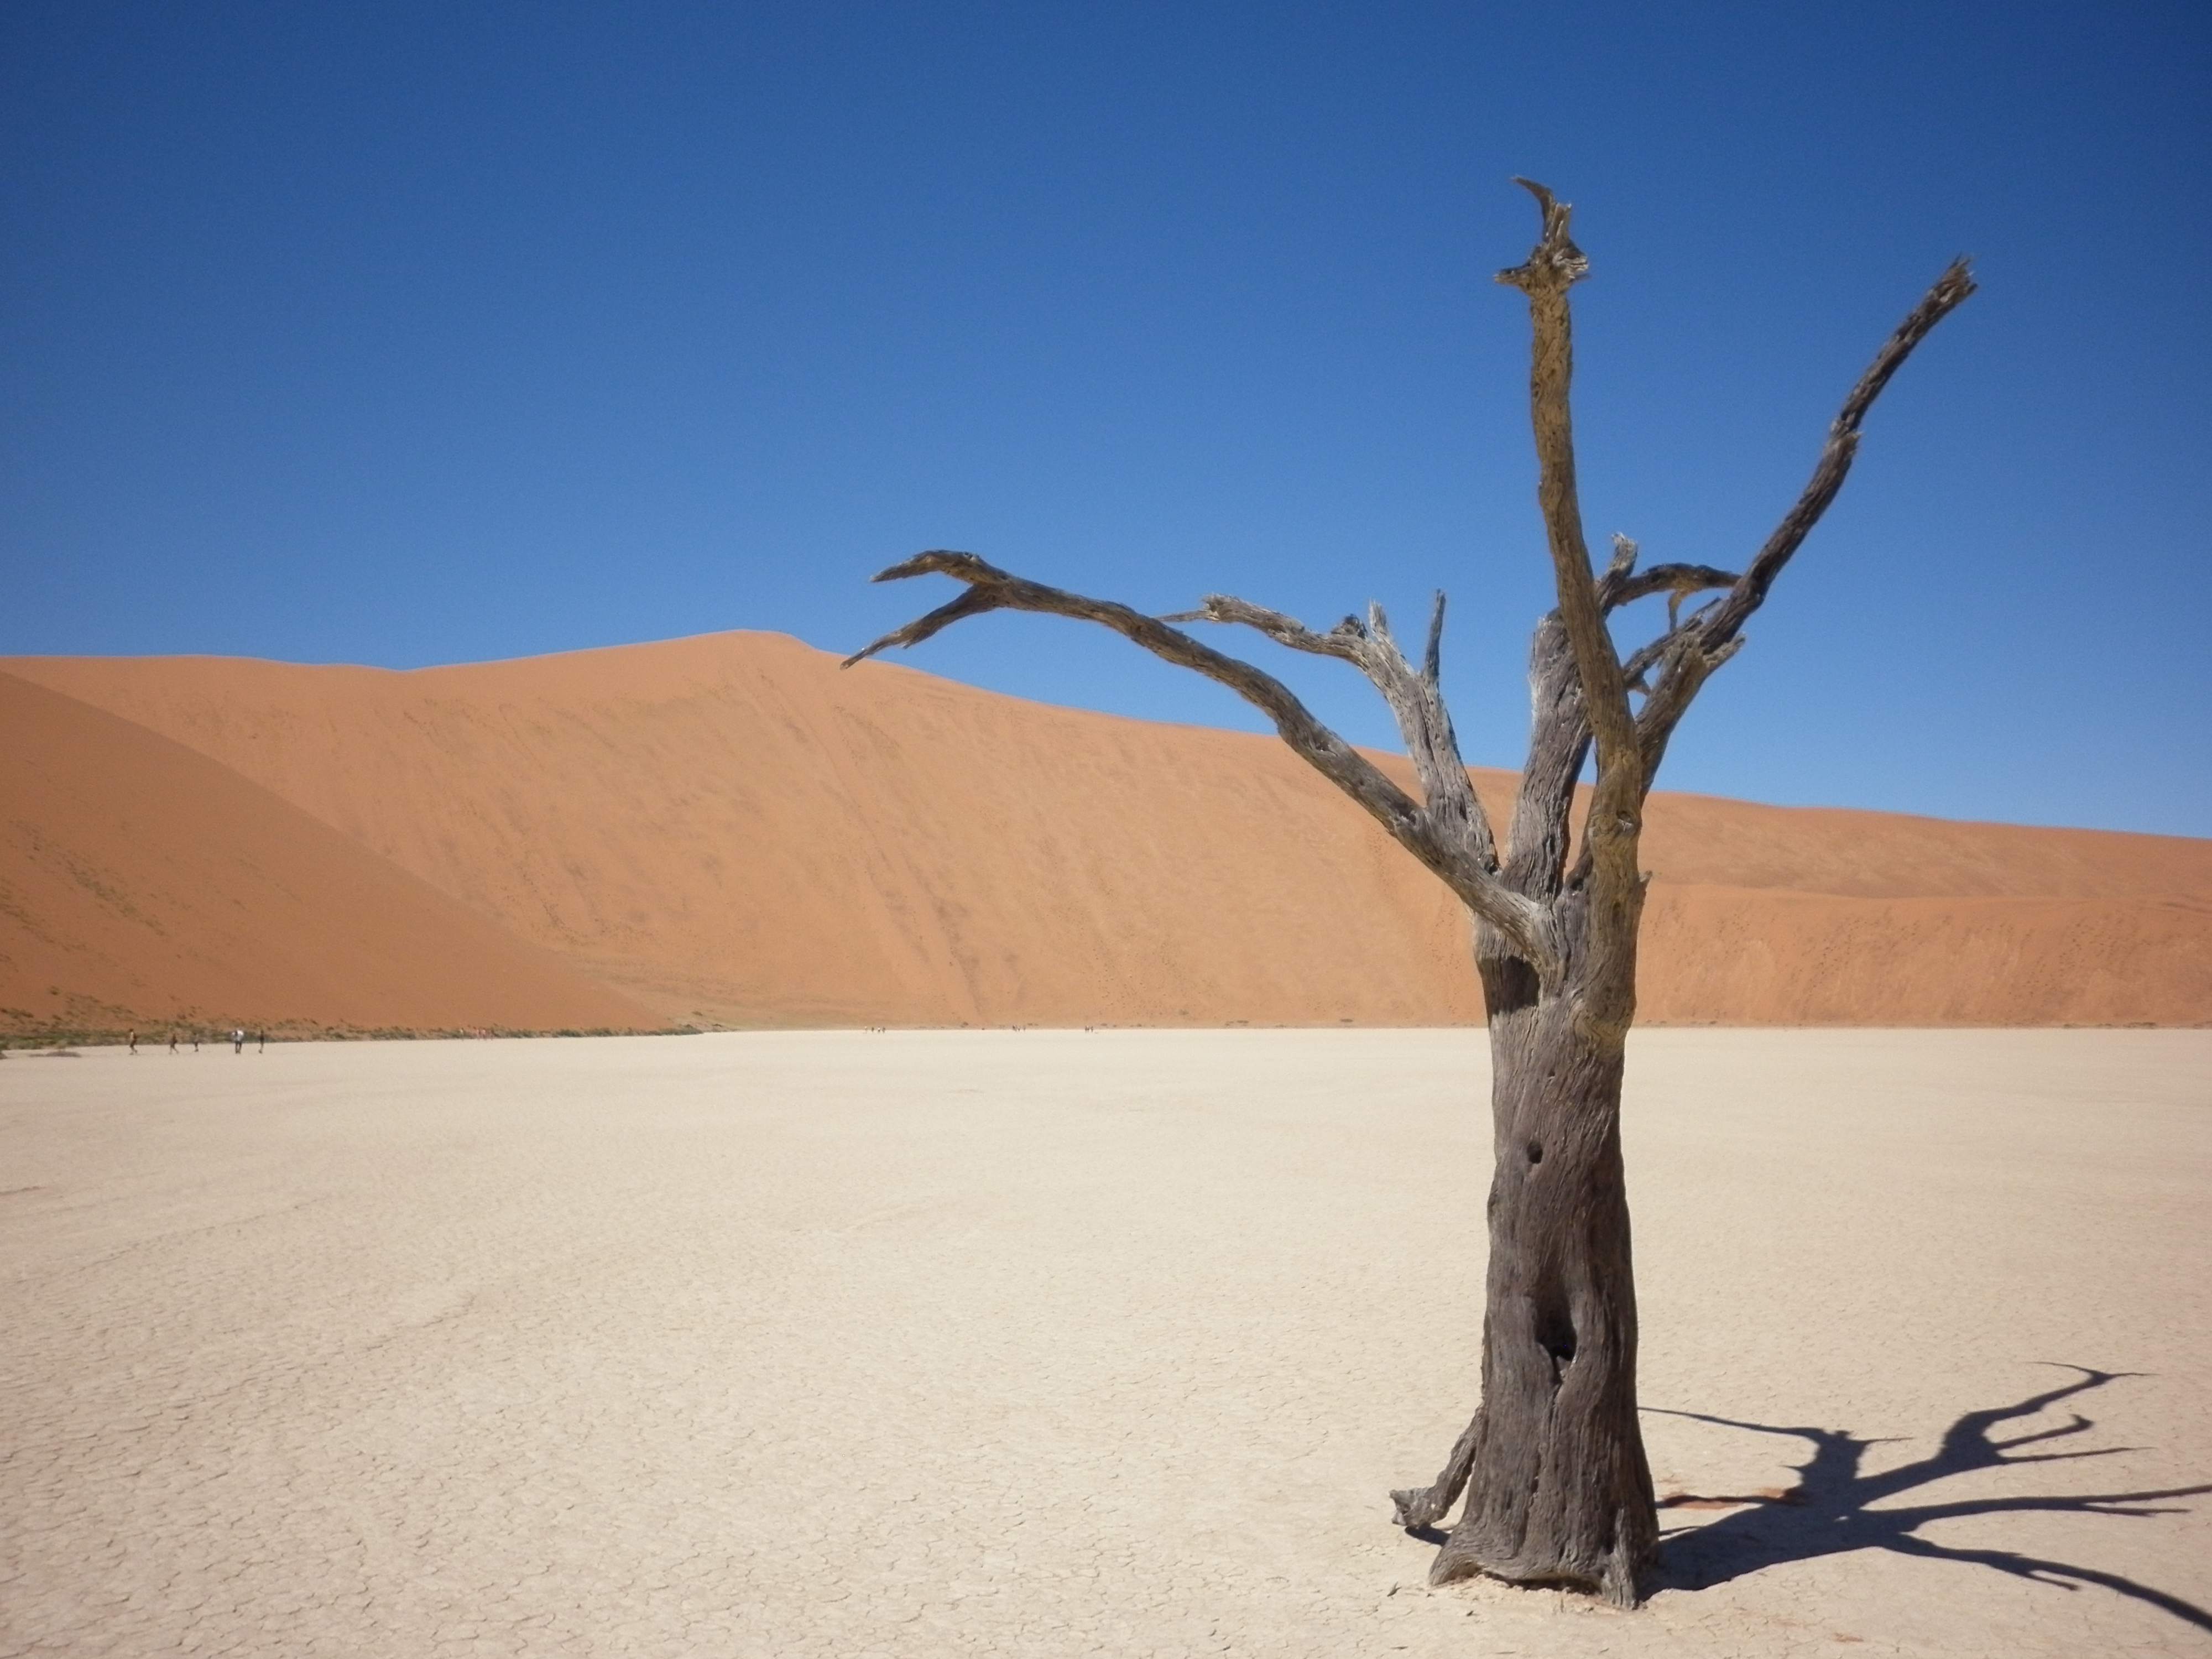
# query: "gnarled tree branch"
[1560,732]
[1707,641]
[1675,580]
[1449,847]
[1415,697]
[1554,265]
[1558,744]
[1944,296]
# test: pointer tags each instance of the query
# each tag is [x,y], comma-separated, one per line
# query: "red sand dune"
[144,883]
[729,828]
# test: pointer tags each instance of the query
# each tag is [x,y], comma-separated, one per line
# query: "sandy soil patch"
[1062,1343]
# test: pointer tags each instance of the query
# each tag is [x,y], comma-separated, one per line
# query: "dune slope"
[729,828]
[142,883]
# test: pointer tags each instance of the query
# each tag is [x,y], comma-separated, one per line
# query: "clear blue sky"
[417,333]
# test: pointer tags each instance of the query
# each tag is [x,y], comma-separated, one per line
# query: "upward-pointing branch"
[1415,696]
[1703,645]
[1553,266]
[1945,294]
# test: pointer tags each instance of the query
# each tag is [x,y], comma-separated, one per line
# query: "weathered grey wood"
[1454,845]
[1709,640]
[1416,700]
[1553,1464]
[1558,1491]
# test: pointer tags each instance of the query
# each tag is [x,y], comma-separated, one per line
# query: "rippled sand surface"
[1063,1343]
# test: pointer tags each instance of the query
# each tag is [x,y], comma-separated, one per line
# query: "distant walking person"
[134,1043]
[173,1043]
[237,1039]
[261,1043]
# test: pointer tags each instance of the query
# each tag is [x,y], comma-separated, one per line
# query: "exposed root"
[1618,1586]
[1424,1506]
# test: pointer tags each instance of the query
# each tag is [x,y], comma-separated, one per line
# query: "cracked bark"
[1553,1464]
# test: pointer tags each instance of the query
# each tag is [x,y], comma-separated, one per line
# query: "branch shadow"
[1832,1510]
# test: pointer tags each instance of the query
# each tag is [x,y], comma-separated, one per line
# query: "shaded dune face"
[143,881]
[729,828]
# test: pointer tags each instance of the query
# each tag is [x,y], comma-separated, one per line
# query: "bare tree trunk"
[1558,1489]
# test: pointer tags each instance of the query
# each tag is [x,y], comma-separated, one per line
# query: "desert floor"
[1064,1343]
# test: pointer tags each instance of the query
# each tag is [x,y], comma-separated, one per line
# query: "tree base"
[1613,1571]
[1613,1576]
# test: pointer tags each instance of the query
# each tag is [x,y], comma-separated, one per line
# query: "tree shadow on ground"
[1832,1510]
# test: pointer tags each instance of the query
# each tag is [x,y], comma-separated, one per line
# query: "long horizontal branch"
[1675,579]
[989,588]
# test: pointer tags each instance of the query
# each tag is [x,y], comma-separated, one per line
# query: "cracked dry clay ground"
[1065,1343]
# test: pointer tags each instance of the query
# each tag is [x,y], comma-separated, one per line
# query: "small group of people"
[238,1038]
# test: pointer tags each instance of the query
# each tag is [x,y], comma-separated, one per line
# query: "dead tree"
[1554,1463]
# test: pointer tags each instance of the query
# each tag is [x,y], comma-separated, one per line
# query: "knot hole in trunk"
[1555,1334]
